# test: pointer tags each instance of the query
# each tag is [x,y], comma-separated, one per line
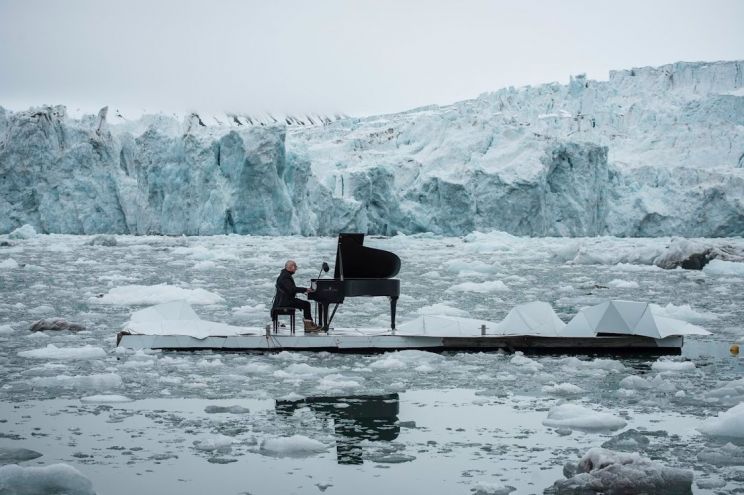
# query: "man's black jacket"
[286,289]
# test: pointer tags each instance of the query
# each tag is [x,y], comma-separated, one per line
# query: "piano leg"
[393,303]
[323,316]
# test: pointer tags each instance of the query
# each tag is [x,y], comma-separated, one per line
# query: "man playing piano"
[285,295]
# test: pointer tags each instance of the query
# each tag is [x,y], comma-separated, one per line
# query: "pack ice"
[652,151]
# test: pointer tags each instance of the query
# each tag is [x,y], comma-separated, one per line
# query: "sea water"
[335,423]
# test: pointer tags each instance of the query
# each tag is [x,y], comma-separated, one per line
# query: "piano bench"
[277,312]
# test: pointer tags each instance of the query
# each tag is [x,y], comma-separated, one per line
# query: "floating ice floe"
[622,284]
[483,488]
[101,381]
[51,351]
[24,232]
[33,480]
[729,423]
[441,309]
[481,287]
[720,267]
[670,365]
[726,455]
[218,443]
[55,324]
[294,446]
[683,312]
[8,264]
[629,441]
[178,318]
[582,418]
[614,473]
[235,409]
[730,393]
[14,455]
[563,389]
[133,295]
[105,399]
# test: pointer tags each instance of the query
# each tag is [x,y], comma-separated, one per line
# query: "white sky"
[356,57]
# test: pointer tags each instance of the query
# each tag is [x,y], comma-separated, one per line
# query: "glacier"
[652,151]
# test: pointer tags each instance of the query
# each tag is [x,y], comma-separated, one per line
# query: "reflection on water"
[356,418]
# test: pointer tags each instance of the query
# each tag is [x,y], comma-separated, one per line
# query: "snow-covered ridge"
[650,152]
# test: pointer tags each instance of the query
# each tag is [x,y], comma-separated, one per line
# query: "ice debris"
[613,473]
[726,455]
[226,409]
[132,295]
[33,480]
[51,351]
[582,418]
[14,455]
[105,399]
[729,423]
[294,446]
[26,231]
[55,324]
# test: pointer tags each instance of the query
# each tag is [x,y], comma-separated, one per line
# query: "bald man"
[285,295]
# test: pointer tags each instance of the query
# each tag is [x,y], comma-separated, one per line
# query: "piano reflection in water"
[359,271]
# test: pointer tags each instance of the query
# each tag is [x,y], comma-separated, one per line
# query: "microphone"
[323,268]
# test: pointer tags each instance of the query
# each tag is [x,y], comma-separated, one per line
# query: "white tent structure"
[626,318]
[534,318]
[443,326]
[178,318]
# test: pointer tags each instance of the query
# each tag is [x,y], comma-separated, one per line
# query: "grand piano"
[359,271]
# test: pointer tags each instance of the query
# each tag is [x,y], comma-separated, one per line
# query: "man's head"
[290,266]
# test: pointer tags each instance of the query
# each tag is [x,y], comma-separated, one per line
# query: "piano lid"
[354,260]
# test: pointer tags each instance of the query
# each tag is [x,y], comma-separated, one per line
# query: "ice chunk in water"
[105,399]
[55,324]
[728,455]
[131,295]
[623,284]
[483,488]
[24,232]
[629,441]
[720,267]
[10,455]
[605,471]
[57,478]
[672,365]
[95,381]
[727,424]
[582,418]
[729,394]
[51,351]
[219,443]
[8,264]
[226,409]
[294,446]
[563,389]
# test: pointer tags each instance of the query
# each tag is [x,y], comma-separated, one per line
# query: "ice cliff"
[650,152]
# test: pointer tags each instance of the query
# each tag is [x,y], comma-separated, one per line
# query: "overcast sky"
[355,57]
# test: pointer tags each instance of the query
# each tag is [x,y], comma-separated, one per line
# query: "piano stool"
[276,312]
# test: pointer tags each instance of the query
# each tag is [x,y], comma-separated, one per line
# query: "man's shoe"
[310,326]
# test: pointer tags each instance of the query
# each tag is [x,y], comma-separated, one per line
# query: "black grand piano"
[359,271]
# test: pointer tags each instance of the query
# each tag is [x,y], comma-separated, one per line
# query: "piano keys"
[360,271]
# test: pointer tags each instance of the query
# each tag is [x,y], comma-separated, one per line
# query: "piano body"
[359,271]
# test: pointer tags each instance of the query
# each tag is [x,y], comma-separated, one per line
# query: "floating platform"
[359,341]
[610,328]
